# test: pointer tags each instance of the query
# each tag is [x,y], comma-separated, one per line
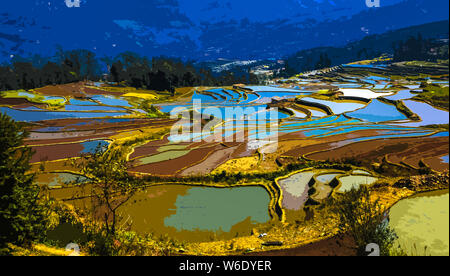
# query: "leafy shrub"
[126,243]
[364,220]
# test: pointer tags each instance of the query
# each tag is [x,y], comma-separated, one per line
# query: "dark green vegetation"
[163,74]
[71,66]
[435,95]
[324,62]
[128,69]
[363,219]
[418,48]
[23,213]
[444,127]
[152,111]
[402,41]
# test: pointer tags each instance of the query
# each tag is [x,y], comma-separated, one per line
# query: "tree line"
[128,69]
[166,74]
[64,67]
[418,48]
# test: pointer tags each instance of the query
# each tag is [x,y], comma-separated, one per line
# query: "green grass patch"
[151,110]
[440,127]
[164,156]
[435,95]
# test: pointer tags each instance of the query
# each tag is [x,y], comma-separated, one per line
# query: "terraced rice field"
[360,121]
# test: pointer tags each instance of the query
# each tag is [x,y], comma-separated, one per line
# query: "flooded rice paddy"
[422,224]
[54,180]
[35,116]
[429,115]
[185,211]
[377,112]
[318,185]
[354,181]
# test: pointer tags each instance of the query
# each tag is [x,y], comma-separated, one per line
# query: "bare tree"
[112,187]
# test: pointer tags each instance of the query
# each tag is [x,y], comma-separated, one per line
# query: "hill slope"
[205,30]
[367,48]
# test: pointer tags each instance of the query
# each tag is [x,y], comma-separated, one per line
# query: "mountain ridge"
[203,30]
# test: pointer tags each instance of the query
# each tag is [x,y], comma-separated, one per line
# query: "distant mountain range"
[368,48]
[202,29]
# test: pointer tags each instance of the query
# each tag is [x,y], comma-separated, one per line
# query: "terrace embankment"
[402,108]
[321,107]
[286,105]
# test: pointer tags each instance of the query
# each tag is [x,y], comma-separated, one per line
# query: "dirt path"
[336,246]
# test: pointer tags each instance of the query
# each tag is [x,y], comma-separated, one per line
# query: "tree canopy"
[159,73]
[23,218]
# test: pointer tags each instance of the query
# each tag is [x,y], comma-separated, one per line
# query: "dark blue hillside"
[199,29]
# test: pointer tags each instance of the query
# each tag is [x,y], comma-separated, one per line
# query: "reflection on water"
[423,222]
[53,180]
[378,112]
[337,107]
[427,113]
[93,108]
[219,209]
[93,146]
[354,181]
[196,213]
[401,95]
[295,190]
[34,116]
[110,100]
[272,89]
